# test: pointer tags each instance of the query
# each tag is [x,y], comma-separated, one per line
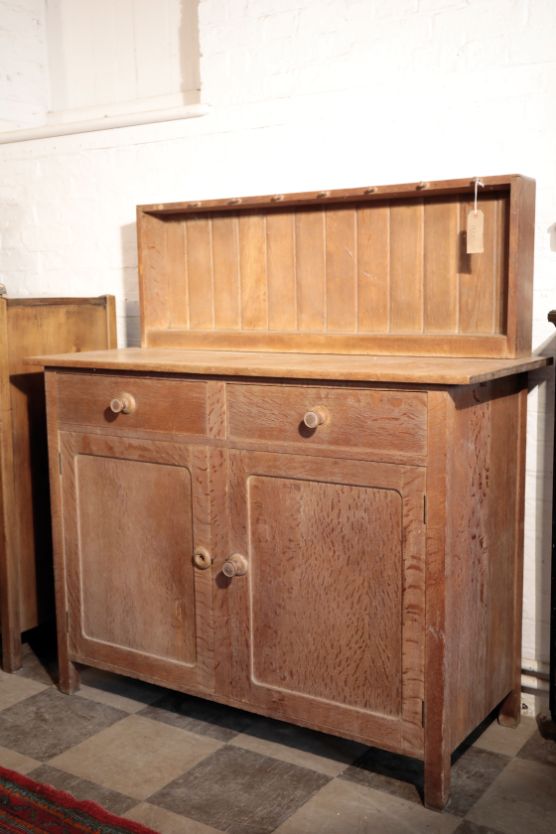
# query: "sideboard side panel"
[483,549]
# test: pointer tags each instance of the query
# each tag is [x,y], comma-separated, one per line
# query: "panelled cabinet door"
[135,513]
[326,608]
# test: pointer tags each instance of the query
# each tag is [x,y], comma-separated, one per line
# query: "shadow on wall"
[129,326]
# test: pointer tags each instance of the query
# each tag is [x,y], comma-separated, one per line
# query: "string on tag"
[478,183]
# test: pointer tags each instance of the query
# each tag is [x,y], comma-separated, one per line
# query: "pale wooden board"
[400,369]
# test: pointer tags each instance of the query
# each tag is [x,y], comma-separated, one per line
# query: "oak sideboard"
[303,495]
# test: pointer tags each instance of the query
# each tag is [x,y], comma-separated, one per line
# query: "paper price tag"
[475,232]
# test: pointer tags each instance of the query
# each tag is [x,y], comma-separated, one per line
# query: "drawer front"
[173,406]
[383,420]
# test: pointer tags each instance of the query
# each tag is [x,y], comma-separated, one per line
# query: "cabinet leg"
[11,652]
[68,677]
[509,712]
[437,780]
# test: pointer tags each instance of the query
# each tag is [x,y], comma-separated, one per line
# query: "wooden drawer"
[175,406]
[383,420]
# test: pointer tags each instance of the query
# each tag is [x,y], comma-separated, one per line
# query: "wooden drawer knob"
[236,565]
[316,417]
[124,404]
[202,558]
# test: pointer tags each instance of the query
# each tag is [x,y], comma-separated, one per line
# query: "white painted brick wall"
[23,83]
[307,94]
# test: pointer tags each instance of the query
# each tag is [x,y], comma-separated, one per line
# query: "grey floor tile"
[539,749]
[468,827]
[522,799]
[197,715]
[397,775]
[113,801]
[48,723]
[240,792]
[343,807]
[472,774]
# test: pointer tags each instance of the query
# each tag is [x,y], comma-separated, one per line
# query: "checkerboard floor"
[186,766]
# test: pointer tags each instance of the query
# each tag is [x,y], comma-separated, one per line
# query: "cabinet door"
[134,512]
[327,623]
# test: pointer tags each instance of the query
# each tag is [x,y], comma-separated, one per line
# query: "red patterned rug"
[27,807]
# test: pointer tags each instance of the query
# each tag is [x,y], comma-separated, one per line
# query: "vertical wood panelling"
[282,296]
[406,268]
[478,311]
[155,288]
[225,259]
[500,288]
[252,258]
[441,243]
[341,292]
[311,270]
[373,269]
[387,268]
[199,270]
[176,266]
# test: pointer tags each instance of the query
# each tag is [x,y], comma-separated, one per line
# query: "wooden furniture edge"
[510,710]
[68,678]
[9,567]
[403,370]
[437,736]
[370,193]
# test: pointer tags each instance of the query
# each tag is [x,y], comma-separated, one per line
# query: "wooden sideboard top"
[396,369]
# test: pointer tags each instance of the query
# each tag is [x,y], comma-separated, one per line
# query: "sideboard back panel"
[352,274]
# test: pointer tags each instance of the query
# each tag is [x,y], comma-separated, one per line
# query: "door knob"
[202,558]
[124,404]
[316,417]
[236,565]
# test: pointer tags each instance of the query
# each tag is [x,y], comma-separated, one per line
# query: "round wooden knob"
[124,404]
[236,565]
[202,558]
[316,417]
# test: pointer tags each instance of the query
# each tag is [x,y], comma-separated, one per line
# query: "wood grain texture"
[510,709]
[389,262]
[392,421]
[133,514]
[310,271]
[437,706]
[484,550]
[225,262]
[373,263]
[181,407]
[330,523]
[253,272]
[442,243]
[318,594]
[406,268]
[28,325]
[281,266]
[341,271]
[406,370]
